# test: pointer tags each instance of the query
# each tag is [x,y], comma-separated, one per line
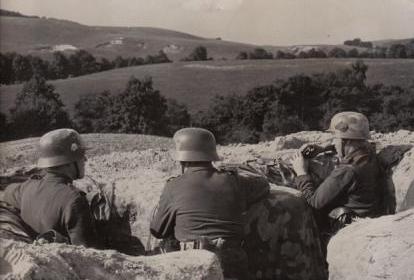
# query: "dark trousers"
[233,259]
[234,263]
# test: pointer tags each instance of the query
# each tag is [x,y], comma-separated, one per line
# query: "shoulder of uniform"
[344,171]
[228,169]
[345,168]
[74,189]
[172,178]
[36,177]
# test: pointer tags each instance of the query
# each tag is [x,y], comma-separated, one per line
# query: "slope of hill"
[42,36]
[195,83]
[13,14]
[389,42]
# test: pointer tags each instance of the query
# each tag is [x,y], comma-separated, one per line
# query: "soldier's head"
[350,131]
[62,151]
[195,145]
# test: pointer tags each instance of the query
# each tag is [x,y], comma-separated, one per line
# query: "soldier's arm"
[329,191]
[13,194]
[79,222]
[256,188]
[163,219]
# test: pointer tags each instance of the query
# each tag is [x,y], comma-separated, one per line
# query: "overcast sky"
[273,22]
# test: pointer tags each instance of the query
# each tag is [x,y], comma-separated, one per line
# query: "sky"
[262,22]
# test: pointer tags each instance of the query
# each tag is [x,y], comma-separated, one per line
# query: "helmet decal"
[74,147]
[341,126]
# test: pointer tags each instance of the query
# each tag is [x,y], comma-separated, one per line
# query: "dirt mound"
[281,241]
[381,248]
[403,181]
[281,236]
[57,261]
[22,153]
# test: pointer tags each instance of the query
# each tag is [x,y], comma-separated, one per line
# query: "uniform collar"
[198,168]
[58,177]
[357,156]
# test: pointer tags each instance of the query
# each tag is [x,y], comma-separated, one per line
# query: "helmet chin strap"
[77,170]
[341,150]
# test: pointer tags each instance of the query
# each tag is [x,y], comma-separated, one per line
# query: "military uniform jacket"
[206,202]
[51,202]
[354,184]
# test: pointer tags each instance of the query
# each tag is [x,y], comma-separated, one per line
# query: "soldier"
[353,189]
[203,208]
[50,204]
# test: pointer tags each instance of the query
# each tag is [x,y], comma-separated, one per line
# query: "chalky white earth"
[135,167]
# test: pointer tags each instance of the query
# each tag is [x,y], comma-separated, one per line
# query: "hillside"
[389,42]
[42,36]
[194,83]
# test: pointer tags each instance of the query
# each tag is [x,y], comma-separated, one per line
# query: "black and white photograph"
[207,139]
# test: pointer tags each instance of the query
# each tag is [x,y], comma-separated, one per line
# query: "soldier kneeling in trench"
[354,187]
[49,204]
[203,208]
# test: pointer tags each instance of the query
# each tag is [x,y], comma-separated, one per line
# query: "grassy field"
[195,83]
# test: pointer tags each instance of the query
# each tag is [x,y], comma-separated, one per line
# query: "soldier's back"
[207,203]
[46,203]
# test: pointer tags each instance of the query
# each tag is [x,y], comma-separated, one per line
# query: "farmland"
[195,83]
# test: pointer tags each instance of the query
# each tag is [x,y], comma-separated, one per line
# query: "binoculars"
[312,151]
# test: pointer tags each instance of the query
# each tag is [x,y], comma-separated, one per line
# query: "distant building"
[118,41]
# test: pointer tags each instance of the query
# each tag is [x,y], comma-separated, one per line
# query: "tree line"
[307,102]
[301,102]
[17,68]
[393,51]
[358,43]
[139,108]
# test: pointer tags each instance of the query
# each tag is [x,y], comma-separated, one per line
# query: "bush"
[358,43]
[93,113]
[396,109]
[19,68]
[353,53]
[37,109]
[316,53]
[397,51]
[278,121]
[306,102]
[138,109]
[242,56]
[337,52]
[177,117]
[198,54]
[4,135]
[6,68]
[222,117]
[260,53]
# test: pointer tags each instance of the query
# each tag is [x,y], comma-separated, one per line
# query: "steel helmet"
[59,147]
[350,125]
[195,144]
